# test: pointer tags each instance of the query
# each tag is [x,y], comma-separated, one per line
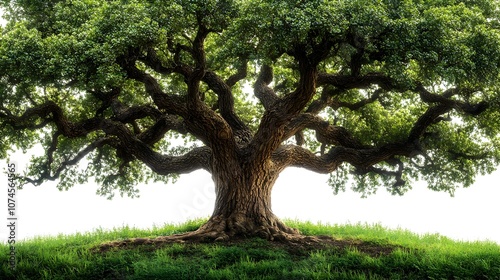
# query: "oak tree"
[381,91]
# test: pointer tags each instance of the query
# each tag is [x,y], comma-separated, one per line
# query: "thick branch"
[443,105]
[162,164]
[226,100]
[106,99]
[129,114]
[239,75]
[156,132]
[431,116]
[325,133]
[291,155]
[199,120]
[172,104]
[152,60]
[295,102]
[130,145]
[194,79]
[199,47]
[261,87]
[444,100]
[49,112]
[272,127]
[194,75]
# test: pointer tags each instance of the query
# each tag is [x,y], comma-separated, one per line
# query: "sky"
[298,194]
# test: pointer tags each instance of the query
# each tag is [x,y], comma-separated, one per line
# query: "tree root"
[227,232]
[223,230]
[203,237]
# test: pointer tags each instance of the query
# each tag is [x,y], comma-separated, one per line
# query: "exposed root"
[203,236]
[220,228]
[295,244]
[237,228]
[223,230]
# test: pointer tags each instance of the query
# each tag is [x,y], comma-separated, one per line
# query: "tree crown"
[387,91]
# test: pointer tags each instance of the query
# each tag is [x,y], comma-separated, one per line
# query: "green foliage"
[81,47]
[63,51]
[270,28]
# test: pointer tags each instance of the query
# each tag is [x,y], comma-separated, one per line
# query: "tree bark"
[243,204]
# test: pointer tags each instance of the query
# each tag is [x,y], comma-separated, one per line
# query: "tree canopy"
[382,91]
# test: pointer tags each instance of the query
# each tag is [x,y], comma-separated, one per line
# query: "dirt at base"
[299,246]
[323,242]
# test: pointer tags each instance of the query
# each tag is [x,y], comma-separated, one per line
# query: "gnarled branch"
[197,158]
[49,112]
[325,133]
[239,75]
[226,101]
[292,155]
[444,100]
[261,87]
[363,159]
[171,104]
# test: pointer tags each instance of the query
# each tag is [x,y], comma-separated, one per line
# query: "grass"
[411,256]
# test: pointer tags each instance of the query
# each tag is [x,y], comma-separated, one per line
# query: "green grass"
[413,257]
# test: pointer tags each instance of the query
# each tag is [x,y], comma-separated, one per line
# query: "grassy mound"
[356,252]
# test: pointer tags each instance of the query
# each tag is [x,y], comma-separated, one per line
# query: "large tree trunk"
[243,204]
